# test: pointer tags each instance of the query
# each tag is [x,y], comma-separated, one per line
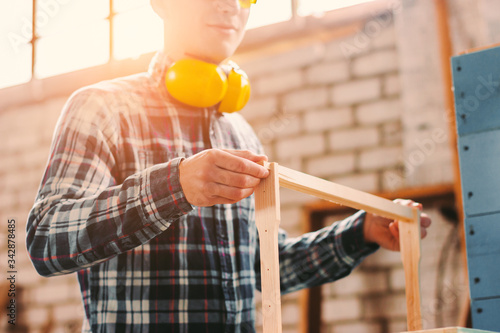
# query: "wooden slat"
[415,193]
[343,195]
[409,237]
[267,219]
[445,45]
[452,330]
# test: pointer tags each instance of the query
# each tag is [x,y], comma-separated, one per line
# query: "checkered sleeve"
[323,256]
[82,215]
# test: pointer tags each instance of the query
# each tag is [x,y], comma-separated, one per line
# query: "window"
[64,31]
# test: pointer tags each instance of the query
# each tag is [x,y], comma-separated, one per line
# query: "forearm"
[67,232]
[323,256]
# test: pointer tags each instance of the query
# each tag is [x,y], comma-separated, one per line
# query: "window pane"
[54,16]
[266,12]
[75,49]
[124,5]
[308,7]
[16,30]
[137,32]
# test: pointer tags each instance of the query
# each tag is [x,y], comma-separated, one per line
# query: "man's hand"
[385,232]
[216,176]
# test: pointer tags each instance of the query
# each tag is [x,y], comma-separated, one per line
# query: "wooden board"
[409,239]
[267,219]
[342,195]
[452,330]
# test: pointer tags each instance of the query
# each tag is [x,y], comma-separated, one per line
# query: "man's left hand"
[385,232]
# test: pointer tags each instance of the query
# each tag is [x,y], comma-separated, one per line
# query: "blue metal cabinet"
[476,83]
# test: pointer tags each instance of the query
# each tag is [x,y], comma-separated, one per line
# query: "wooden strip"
[443,30]
[452,330]
[415,193]
[343,195]
[267,219]
[409,238]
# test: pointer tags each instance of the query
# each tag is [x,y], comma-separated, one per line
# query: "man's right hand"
[216,176]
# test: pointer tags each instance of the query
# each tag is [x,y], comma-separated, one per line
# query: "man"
[149,200]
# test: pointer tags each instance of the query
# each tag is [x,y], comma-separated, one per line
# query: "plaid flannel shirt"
[111,208]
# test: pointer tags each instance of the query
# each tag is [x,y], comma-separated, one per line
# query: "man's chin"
[212,57]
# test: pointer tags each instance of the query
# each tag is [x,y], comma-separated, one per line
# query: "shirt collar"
[158,69]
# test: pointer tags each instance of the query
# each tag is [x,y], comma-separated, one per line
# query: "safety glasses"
[247,3]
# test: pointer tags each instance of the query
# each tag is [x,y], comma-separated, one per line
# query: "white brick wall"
[368,182]
[379,112]
[354,138]
[375,63]
[303,146]
[360,283]
[289,60]
[356,92]
[260,107]
[380,158]
[305,99]
[328,119]
[341,309]
[279,82]
[327,73]
[327,166]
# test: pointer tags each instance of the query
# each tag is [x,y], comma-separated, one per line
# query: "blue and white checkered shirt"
[110,207]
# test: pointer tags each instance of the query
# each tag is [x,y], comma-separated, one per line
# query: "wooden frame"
[314,214]
[268,218]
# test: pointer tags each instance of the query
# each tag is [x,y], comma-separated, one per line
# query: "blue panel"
[481,234]
[486,314]
[480,170]
[484,276]
[476,82]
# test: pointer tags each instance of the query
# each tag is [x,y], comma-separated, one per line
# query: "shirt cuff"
[349,239]
[163,197]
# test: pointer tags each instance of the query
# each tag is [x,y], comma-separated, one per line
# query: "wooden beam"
[340,194]
[267,219]
[416,193]
[452,330]
[267,205]
[443,30]
[409,240]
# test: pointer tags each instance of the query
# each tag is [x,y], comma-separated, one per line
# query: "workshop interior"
[395,98]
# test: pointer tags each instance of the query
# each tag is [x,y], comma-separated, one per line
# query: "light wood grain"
[452,330]
[409,237]
[340,194]
[267,219]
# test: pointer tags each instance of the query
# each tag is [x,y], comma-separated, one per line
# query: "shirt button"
[80,259]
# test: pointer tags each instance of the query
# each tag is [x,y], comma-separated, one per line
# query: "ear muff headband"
[200,84]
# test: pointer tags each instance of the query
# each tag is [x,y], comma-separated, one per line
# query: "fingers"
[246,154]
[425,220]
[231,194]
[234,179]
[233,161]
[423,232]
[409,203]
[217,176]
[394,229]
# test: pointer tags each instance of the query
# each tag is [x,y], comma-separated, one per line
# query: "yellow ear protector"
[201,84]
